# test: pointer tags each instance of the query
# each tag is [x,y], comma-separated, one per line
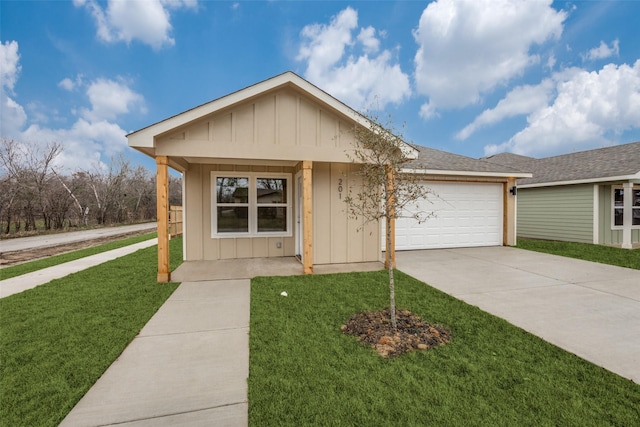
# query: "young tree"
[388,190]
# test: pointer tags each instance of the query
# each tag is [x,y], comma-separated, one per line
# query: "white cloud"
[368,38]
[110,99]
[351,69]
[468,48]
[589,108]
[603,51]
[519,101]
[12,113]
[9,64]
[127,20]
[84,144]
[71,84]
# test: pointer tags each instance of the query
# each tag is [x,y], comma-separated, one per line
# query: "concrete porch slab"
[247,268]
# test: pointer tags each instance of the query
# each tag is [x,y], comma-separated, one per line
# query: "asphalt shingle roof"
[432,159]
[619,160]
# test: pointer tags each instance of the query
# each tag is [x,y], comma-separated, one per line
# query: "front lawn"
[57,339]
[629,258]
[304,371]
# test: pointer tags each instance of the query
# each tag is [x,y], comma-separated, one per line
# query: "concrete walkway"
[188,366]
[589,309]
[40,277]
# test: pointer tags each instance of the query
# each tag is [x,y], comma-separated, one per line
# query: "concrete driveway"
[586,308]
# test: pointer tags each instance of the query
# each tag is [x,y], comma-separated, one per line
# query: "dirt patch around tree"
[412,333]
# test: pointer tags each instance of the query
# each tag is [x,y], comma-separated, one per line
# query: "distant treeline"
[37,195]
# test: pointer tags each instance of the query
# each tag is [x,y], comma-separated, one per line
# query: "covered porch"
[227,269]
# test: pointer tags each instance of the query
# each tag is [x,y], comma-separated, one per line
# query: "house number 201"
[340,188]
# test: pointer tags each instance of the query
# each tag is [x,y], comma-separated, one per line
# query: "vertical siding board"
[338,213]
[322,230]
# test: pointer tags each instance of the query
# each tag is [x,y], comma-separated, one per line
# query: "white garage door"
[466,214]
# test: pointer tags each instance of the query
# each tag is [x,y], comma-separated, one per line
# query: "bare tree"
[387,188]
[108,189]
[27,171]
[35,195]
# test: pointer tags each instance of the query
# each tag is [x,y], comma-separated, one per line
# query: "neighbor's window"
[618,206]
[635,207]
[251,205]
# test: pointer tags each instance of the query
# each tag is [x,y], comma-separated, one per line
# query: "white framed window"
[250,204]
[617,207]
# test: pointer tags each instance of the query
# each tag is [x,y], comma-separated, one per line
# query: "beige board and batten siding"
[280,128]
[282,125]
[337,237]
[556,213]
[199,197]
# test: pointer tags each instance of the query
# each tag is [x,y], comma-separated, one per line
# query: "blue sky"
[472,77]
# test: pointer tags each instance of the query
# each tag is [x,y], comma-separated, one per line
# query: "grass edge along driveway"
[629,258]
[304,371]
[58,338]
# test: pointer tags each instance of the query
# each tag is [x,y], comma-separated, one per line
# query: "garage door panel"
[465,214]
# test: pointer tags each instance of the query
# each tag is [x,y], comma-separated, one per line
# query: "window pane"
[619,216]
[233,220]
[272,219]
[636,198]
[232,190]
[618,197]
[272,190]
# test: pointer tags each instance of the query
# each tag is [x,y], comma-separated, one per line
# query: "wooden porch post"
[509,214]
[391,257]
[307,217]
[162,200]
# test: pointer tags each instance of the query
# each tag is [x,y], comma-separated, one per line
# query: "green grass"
[629,258]
[31,266]
[304,371]
[57,339]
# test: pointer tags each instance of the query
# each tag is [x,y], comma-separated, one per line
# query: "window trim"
[613,208]
[252,205]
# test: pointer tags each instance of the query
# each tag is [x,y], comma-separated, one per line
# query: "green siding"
[556,213]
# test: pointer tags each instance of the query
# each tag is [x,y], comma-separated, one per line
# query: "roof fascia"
[583,181]
[467,173]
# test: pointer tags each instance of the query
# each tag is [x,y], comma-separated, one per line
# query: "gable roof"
[619,162]
[144,138]
[435,161]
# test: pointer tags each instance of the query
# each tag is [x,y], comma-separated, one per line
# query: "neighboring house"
[266,170]
[589,196]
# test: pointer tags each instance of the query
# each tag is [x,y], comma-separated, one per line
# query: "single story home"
[588,196]
[266,170]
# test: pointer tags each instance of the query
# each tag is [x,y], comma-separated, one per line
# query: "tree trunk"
[388,193]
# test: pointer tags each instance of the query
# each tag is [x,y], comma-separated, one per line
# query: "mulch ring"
[412,333]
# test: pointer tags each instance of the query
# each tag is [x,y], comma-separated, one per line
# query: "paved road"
[24,243]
